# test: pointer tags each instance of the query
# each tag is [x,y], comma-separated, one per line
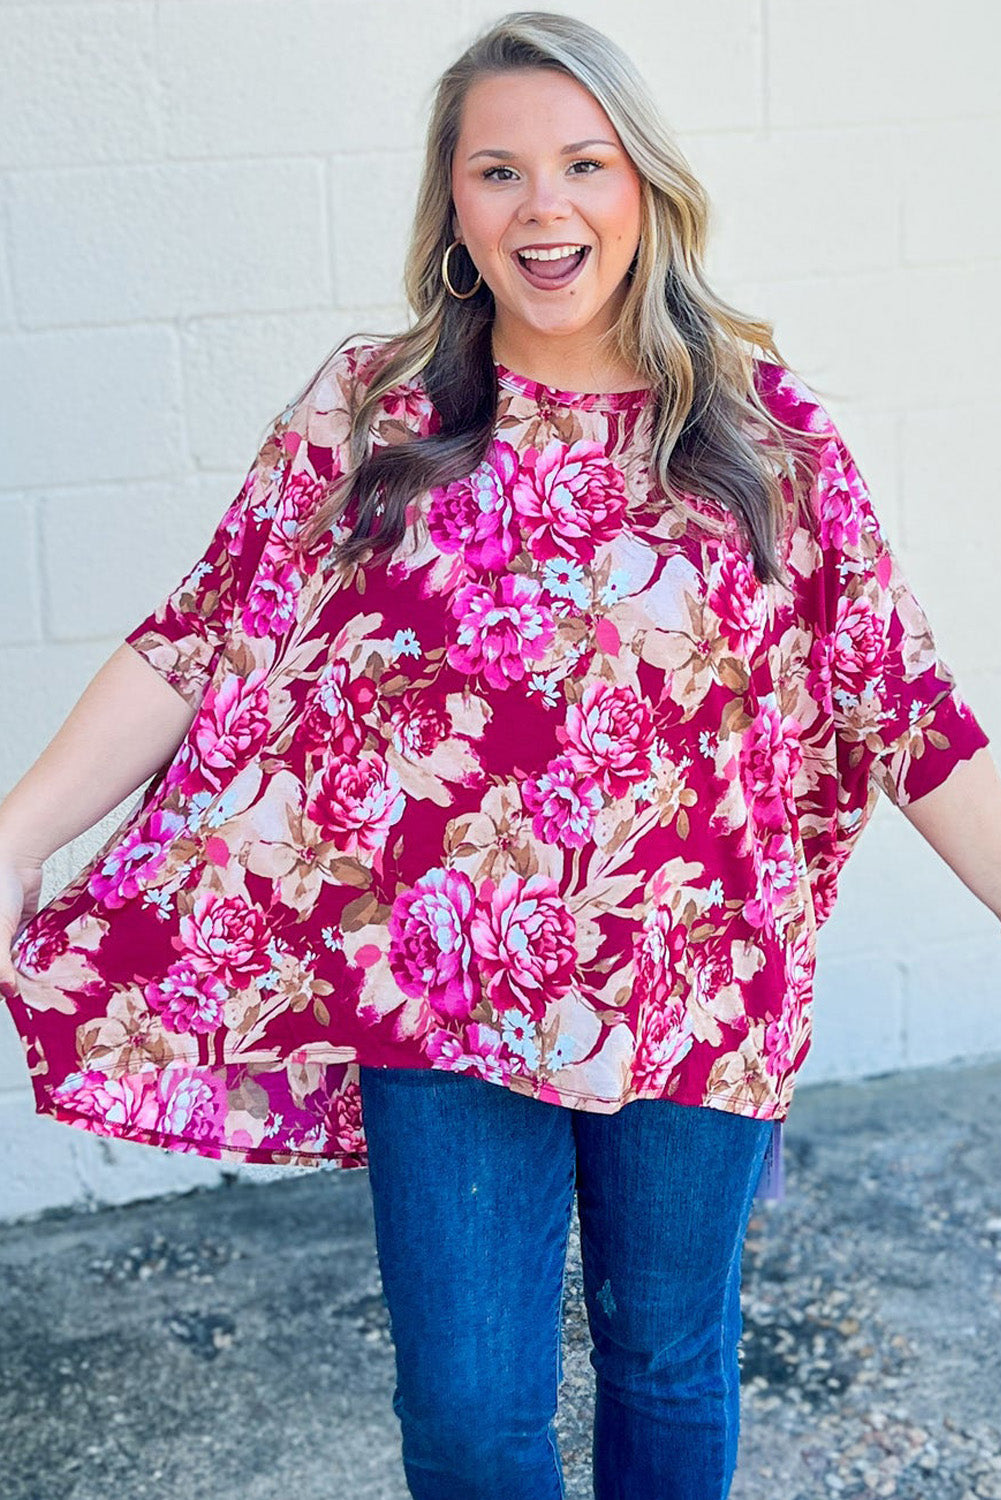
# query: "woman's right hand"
[20,893]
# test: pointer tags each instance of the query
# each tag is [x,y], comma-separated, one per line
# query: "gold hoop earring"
[444,275]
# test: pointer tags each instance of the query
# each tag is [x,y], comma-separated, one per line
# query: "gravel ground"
[235,1343]
[872,1297]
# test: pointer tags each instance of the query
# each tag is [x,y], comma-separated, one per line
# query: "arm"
[127,723]
[961,819]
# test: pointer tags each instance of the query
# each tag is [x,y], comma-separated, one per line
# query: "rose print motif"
[770,755]
[130,865]
[337,706]
[187,998]
[775,869]
[301,495]
[478,1051]
[839,523]
[780,1037]
[656,957]
[849,662]
[564,803]
[225,936]
[799,966]
[570,499]
[737,597]
[609,735]
[501,630]
[356,802]
[665,1033]
[664,1040]
[416,726]
[343,1122]
[524,934]
[475,516]
[43,944]
[858,649]
[784,1034]
[179,1102]
[232,726]
[271,604]
[431,950]
[824,886]
[189,1105]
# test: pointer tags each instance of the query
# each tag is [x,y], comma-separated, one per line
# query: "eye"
[582,161]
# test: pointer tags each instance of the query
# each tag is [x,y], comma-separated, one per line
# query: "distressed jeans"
[473,1188]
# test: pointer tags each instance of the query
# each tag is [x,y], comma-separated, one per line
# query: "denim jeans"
[472,1189]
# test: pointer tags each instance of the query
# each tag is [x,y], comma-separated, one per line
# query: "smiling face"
[538,163]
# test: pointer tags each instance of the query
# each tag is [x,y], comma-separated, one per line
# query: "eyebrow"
[575,146]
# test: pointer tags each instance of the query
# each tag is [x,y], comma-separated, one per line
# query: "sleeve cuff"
[921,759]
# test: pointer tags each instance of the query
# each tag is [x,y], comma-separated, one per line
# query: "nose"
[544,201]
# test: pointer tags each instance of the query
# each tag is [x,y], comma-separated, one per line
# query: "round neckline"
[538,391]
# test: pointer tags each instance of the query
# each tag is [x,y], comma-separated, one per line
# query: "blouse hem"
[211,1148]
[205,1146]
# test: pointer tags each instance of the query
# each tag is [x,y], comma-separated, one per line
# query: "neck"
[567,369]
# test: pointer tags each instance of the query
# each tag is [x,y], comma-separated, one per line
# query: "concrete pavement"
[233,1344]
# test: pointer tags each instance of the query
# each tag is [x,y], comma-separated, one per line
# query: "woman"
[506,744]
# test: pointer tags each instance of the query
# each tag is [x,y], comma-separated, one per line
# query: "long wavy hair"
[712,435]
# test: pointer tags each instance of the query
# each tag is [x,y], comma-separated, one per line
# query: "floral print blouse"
[558,795]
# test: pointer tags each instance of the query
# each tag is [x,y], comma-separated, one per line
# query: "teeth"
[558,252]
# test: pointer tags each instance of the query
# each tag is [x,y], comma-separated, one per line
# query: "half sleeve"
[183,636]
[306,448]
[897,710]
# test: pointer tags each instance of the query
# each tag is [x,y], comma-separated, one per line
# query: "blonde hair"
[712,434]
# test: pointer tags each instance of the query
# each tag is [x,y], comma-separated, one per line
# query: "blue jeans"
[473,1188]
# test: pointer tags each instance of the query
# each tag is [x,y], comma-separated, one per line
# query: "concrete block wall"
[199,198]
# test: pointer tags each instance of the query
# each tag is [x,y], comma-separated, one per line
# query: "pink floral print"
[558,795]
[432,951]
[570,498]
[609,735]
[502,630]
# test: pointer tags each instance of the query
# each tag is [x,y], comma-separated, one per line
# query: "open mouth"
[548,274]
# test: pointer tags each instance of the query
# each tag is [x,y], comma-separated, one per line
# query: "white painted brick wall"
[199,198]
[105,245]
